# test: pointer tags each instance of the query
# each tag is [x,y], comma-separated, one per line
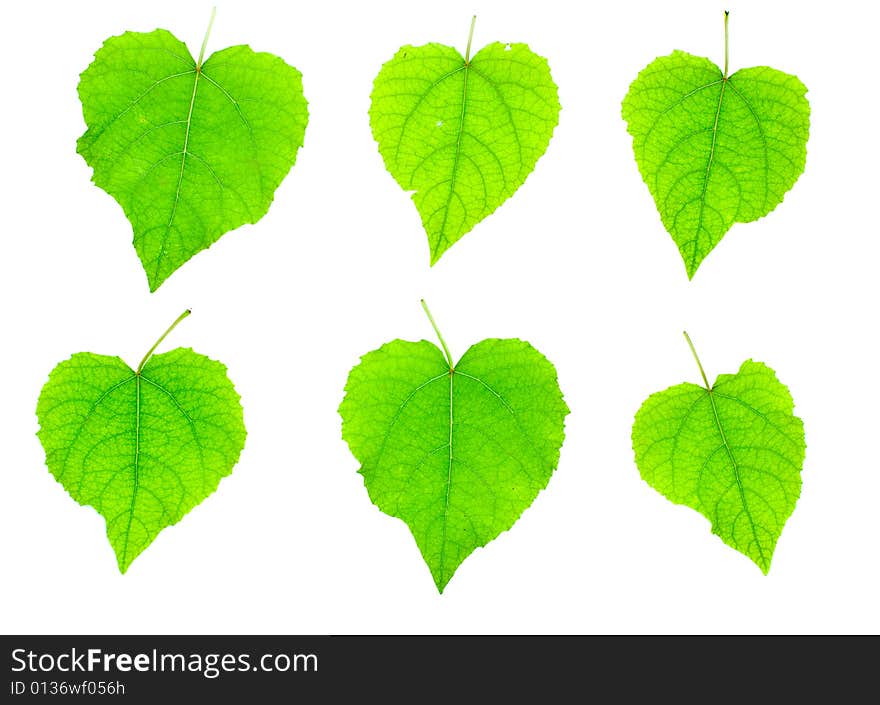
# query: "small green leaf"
[733,451]
[142,446]
[462,133]
[189,149]
[715,149]
[457,452]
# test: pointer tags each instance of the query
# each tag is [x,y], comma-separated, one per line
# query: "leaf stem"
[205,40]
[726,42]
[467,53]
[439,335]
[161,338]
[697,358]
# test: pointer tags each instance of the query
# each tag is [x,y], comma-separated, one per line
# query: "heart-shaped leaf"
[142,446]
[733,451]
[189,149]
[715,149]
[456,451]
[462,133]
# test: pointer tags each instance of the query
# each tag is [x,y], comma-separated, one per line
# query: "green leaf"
[715,149]
[457,452]
[142,446]
[462,133]
[189,149]
[733,451]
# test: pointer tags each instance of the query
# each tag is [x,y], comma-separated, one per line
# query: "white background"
[577,262]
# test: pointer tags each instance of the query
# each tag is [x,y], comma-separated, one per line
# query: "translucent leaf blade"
[189,153]
[142,449]
[715,151]
[734,454]
[457,456]
[462,137]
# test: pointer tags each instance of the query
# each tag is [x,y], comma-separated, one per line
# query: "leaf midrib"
[136,465]
[137,378]
[737,477]
[709,162]
[184,153]
[453,373]
[467,68]
[724,81]
[450,373]
[434,254]
[451,376]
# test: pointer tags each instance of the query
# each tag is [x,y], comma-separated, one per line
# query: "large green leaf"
[462,133]
[142,446]
[456,451]
[189,149]
[715,149]
[733,451]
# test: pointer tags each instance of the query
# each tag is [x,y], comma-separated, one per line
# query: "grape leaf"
[456,451]
[715,149]
[142,446]
[462,133]
[733,451]
[189,149]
